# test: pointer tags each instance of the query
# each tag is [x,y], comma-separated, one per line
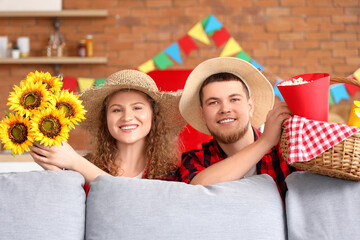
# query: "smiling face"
[226,110]
[129,116]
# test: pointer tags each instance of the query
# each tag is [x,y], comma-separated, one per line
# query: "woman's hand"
[64,156]
[55,157]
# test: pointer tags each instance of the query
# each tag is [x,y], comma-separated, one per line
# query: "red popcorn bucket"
[307,95]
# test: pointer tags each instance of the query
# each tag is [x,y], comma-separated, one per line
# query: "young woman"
[133,127]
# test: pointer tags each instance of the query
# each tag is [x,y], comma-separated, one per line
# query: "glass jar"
[89,44]
[82,48]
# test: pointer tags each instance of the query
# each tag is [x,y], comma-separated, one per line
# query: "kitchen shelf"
[63,13]
[83,13]
[54,60]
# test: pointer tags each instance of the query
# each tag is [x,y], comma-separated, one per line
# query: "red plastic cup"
[309,100]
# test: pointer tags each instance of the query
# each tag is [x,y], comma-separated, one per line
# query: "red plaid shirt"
[272,163]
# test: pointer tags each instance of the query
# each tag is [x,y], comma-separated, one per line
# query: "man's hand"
[274,120]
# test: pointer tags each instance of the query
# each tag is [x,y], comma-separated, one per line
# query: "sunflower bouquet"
[42,113]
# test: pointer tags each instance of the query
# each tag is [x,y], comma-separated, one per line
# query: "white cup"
[15,53]
[3,46]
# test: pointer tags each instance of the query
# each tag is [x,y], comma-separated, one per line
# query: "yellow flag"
[85,83]
[231,48]
[147,66]
[198,33]
[357,74]
[354,118]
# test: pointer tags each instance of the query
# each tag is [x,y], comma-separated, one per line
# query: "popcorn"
[294,81]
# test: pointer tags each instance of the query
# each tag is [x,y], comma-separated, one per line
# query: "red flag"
[187,44]
[220,37]
[70,83]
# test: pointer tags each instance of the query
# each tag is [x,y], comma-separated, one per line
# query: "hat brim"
[260,88]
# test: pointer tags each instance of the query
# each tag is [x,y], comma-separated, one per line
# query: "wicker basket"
[340,161]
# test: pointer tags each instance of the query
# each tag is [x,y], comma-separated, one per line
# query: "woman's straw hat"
[93,99]
[259,88]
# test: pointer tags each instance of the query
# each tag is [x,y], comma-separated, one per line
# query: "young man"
[229,99]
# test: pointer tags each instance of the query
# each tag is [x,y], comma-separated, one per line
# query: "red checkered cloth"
[309,138]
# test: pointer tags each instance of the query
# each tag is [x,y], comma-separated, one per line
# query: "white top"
[251,172]
[140,174]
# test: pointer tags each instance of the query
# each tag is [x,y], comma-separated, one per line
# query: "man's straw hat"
[259,88]
[93,99]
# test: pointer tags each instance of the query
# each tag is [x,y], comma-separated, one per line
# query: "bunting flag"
[276,90]
[198,33]
[338,92]
[356,74]
[231,48]
[187,44]
[212,24]
[162,61]
[100,82]
[257,65]
[243,55]
[147,66]
[174,52]
[331,102]
[220,37]
[70,83]
[85,83]
[351,89]
[205,21]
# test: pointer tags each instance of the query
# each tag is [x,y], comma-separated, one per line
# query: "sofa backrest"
[125,208]
[42,205]
[320,207]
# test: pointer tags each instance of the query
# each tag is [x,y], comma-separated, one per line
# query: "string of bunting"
[204,31]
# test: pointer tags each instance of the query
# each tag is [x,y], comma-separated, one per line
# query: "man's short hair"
[221,77]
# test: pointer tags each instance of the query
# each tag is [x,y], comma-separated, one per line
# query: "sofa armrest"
[321,207]
[42,205]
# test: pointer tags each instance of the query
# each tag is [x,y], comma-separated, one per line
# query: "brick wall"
[287,37]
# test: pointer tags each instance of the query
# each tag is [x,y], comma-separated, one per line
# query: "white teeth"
[128,127]
[226,120]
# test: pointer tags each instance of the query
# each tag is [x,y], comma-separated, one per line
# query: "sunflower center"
[50,126]
[18,133]
[30,100]
[66,108]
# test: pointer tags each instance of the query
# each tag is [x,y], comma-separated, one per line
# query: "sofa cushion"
[320,207]
[126,208]
[42,205]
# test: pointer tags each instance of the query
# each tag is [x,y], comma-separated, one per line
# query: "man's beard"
[230,138]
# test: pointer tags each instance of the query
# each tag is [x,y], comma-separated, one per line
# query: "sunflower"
[15,133]
[53,84]
[29,98]
[50,127]
[71,106]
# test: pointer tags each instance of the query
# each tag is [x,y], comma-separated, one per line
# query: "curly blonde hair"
[160,148]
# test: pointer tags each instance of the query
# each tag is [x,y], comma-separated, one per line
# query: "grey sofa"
[52,205]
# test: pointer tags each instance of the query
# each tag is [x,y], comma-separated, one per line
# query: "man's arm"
[237,165]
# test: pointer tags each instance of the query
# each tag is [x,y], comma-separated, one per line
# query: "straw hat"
[94,97]
[259,88]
